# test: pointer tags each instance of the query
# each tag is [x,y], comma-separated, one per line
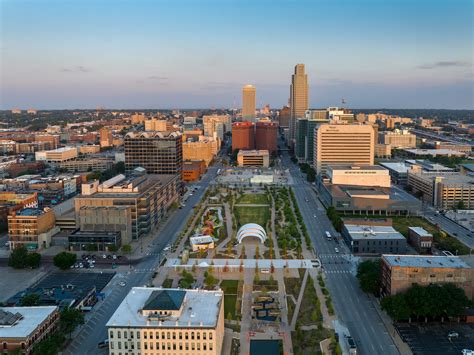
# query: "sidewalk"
[402,347]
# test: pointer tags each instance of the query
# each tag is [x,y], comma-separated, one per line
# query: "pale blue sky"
[189,53]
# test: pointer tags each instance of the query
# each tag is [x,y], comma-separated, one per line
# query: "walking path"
[298,302]
[228,221]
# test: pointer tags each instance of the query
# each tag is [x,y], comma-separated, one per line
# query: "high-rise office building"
[243,135]
[298,98]
[343,144]
[157,152]
[248,103]
[266,135]
[304,138]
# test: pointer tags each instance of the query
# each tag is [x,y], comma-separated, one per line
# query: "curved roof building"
[251,230]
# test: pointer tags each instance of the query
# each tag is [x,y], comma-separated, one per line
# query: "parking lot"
[433,338]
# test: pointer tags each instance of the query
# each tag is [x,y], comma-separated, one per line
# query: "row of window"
[162,346]
[163,335]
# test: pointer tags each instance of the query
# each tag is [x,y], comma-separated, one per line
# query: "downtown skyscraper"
[298,99]
[248,103]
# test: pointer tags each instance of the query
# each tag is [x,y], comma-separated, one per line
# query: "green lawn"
[229,286]
[259,215]
[229,305]
[257,199]
[167,283]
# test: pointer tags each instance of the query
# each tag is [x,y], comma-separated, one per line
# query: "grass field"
[257,199]
[229,286]
[230,296]
[449,243]
[229,305]
[259,215]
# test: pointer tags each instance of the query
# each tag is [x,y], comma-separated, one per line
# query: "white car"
[122,283]
[336,250]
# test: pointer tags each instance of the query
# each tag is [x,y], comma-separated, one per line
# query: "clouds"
[445,64]
[75,69]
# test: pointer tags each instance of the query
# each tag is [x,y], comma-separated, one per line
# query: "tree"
[396,307]
[64,260]
[69,319]
[242,252]
[187,279]
[460,205]
[368,273]
[210,281]
[229,248]
[49,345]
[30,300]
[126,248]
[33,260]
[257,252]
[17,259]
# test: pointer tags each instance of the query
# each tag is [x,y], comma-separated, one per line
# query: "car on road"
[336,250]
[122,283]
[453,334]
[104,256]
[166,248]
[103,344]
[352,345]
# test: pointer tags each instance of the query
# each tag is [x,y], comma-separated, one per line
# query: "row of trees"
[335,218]
[21,259]
[434,301]
[309,171]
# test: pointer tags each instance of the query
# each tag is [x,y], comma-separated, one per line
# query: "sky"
[66,54]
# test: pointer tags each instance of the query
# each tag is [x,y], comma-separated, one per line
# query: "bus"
[328,236]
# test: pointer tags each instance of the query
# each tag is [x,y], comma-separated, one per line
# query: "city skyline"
[168,55]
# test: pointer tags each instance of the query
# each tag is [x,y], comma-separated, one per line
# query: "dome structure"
[251,230]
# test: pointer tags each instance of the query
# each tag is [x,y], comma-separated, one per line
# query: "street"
[87,337]
[353,307]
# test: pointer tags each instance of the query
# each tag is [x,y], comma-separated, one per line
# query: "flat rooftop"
[361,232]
[31,318]
[434,152]
[421,231]
[399,167]
[449,178]
[426,261]
[200,310]
[356,167]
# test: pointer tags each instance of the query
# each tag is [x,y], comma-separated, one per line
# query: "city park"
[260,256]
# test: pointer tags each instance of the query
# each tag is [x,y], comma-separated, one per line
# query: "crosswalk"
[337,271]
[144,270]
[329,256]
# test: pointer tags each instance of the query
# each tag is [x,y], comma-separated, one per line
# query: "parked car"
[453,334]
[103,344]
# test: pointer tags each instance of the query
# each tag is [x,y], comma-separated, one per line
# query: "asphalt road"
[94,331]
[352,306]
